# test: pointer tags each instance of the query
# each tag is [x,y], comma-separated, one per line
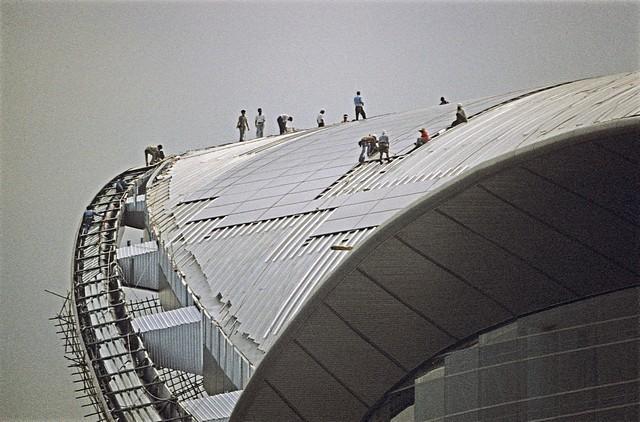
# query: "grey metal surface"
[169,319]
[140,265]
[213,408]
[135,203]
[247,231]
[220,211]
[530,231]
[173,338]
[237,367]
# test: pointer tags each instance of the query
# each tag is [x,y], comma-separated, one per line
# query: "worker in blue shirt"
[88,217]
[357,101]
[120,185]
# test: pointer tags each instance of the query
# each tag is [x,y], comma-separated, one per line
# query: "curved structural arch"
[550,224]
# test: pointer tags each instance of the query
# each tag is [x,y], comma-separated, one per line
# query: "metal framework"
[117,376]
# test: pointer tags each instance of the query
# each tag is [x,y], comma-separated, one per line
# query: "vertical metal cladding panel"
[140,265]
[236,367]
[173,339]
[136,203]
[221,358]
[177,284]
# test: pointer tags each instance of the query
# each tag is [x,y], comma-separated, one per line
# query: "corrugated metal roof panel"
[162,320]
[213,408]
[137,249]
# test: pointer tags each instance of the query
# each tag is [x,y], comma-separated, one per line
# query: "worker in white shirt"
[260,119]
[320,119]
[282,120]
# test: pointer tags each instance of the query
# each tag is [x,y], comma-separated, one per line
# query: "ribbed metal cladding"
[135,203]
[237,367]
[254,259]
[123,377]
[140,265]
[232,362]
[216,408]
[177,283]
[173,338]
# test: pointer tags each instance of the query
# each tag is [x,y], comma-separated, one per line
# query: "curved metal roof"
[350,275]
[251,224]
[552,224]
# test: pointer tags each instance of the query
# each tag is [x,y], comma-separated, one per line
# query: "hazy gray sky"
[87,85]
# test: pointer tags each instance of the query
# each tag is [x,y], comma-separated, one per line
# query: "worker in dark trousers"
[365,143]
[359,103]
[423,139]
[88,216]
[156,154]
[282,122]
[383,146]
[320,119]
[461,116]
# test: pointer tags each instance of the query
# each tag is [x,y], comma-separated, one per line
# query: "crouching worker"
[155,153]
[423,139]
[366,144]
[461,116]
[282,122]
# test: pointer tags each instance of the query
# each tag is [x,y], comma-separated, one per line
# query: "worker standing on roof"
[320,119]
[461,116]
[282,122]
[359,103]
[383,146]
[259,122]
[243,124]
[423,139]
[156,154]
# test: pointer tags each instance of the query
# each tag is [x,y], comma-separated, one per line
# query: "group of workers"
[285,121]
[369,144]
[372,144]
[259,121]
